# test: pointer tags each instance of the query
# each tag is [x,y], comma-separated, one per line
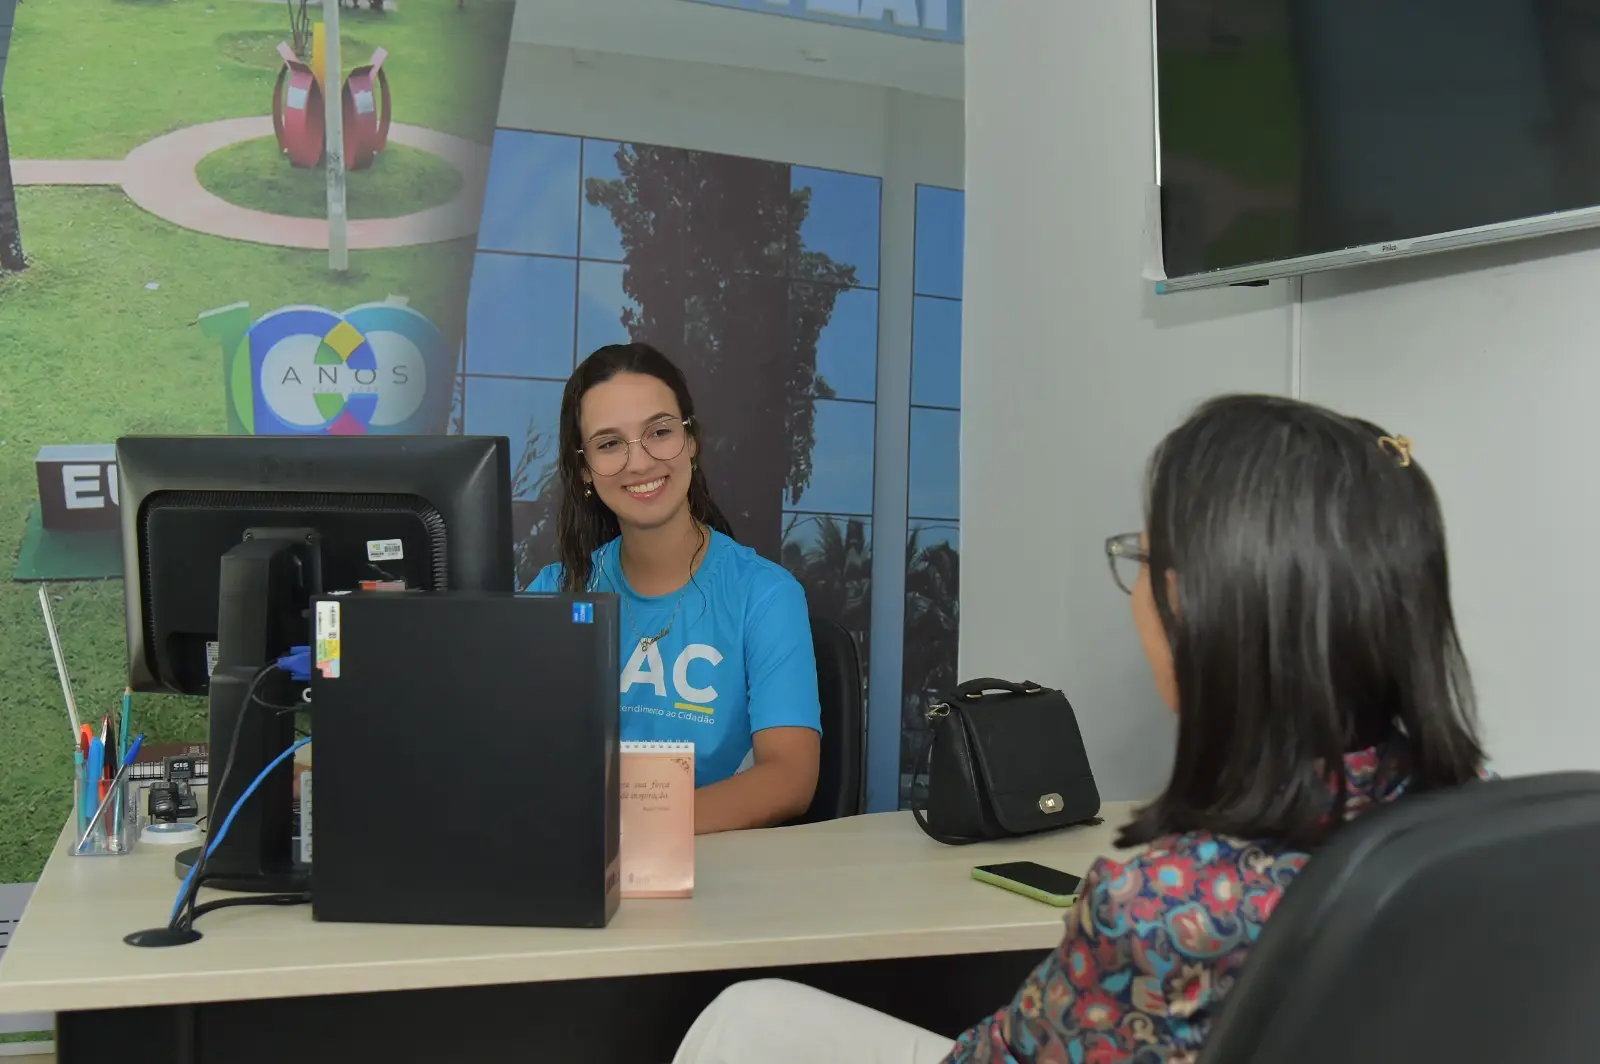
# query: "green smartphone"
[1049,885]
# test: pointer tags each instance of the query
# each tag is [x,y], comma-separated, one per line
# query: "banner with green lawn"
[164,268]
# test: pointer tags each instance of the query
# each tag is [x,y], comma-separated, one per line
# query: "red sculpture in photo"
[297,110]
[298,116]
[366,112]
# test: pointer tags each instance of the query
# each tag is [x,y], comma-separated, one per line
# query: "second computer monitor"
[226,539]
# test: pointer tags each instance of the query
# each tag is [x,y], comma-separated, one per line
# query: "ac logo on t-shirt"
[647,667]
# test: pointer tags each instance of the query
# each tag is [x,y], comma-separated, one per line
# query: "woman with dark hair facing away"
[716,640]
[1291,593]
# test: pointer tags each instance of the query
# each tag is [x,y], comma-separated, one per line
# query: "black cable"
[185,914]
[280,708]
[183,917]
[254,899]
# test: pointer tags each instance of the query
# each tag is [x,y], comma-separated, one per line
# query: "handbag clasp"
[937,710]
[1050,803]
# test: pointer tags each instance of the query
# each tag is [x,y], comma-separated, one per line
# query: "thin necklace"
[646,642]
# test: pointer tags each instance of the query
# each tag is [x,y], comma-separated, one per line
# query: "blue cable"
[222,832]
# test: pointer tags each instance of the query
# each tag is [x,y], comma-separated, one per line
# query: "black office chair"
[1458,926]
[841,780]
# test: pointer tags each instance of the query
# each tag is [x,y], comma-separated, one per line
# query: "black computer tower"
[465,759]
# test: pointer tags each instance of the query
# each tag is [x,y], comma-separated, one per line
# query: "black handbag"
[1004,759]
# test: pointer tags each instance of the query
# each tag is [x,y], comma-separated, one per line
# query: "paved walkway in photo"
[66,172]
[159,176]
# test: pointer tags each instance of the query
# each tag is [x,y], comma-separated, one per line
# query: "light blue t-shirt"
[737,660]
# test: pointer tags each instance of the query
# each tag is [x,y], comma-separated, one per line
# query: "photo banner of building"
[774,201]
[167,194]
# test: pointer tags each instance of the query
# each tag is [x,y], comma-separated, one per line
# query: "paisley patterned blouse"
[1154,945]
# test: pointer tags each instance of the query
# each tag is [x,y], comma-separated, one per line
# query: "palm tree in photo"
[835,570]
[724,284]
[933,621]
[536,484]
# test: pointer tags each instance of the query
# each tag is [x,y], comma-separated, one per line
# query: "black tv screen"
[1299,128]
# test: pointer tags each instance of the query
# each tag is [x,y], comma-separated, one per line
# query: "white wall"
[1488,361]
[1073,370]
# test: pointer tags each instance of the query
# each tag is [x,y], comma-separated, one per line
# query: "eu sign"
[78,487]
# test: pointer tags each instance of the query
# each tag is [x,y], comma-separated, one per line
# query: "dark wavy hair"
[584,523]
[1312,618]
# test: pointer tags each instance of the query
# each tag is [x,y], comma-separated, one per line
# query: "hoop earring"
[588,491]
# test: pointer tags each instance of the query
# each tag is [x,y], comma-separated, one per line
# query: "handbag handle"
[973,690]
[921,817]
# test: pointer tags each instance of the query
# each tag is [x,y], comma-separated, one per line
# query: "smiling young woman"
[716,640]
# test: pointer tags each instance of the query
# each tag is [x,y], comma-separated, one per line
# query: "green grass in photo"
[259,48]
[94,79]
[256,174]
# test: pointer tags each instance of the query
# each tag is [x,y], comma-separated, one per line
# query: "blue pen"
[83,783]
[91,783]
[122,733]
[133,749]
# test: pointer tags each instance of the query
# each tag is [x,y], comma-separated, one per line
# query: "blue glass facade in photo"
[551,282]
[550,285]
[933,479]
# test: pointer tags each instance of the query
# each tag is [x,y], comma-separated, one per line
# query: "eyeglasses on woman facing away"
[1126,552]
[1127,556]
[663,440]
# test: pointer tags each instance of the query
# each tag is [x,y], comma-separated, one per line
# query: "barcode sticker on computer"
[211,658]
[385,550]
[328,640]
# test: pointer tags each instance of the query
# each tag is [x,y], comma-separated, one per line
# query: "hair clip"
[1400,446]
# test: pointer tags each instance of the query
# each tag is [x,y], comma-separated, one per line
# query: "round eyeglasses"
[1127,556]
[663,440]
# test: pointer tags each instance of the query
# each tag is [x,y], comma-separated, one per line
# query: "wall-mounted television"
[1305,135]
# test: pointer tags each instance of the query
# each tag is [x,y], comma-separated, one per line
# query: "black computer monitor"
[224,541]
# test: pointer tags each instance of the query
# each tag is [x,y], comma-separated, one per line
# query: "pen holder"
[116,831]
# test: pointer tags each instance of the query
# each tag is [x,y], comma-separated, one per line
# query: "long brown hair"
[585,524]
[1315,619]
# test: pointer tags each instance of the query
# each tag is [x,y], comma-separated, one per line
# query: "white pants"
[770,1021]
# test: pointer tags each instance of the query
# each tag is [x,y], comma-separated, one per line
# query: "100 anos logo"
[307,370]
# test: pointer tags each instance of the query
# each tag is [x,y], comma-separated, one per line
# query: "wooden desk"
[840,903]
